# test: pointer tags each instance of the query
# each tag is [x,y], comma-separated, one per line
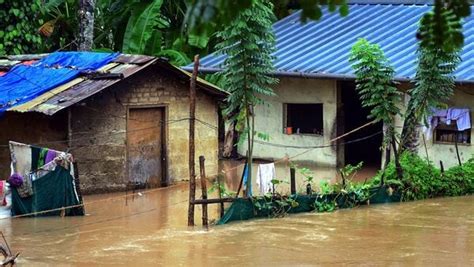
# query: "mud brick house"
[316,95]
[125,121]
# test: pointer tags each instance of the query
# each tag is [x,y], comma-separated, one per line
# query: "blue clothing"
[246,175]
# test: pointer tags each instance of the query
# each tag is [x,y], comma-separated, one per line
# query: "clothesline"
[460,115]
[183,178]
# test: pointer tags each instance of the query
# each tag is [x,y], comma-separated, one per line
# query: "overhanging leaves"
[145,19]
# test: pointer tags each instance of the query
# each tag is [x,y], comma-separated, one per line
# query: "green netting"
[381,195]
[245,208]
[52,191]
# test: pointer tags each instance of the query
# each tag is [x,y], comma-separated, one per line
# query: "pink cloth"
[3,199]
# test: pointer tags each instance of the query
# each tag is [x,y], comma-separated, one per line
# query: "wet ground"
[150,230]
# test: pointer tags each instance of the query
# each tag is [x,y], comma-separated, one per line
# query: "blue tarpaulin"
[23,83]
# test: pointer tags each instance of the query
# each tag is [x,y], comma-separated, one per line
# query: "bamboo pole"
[192,115]
[213,200]
[202,171]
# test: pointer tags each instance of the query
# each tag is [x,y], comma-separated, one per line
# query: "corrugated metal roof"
[82,87]
[321,48]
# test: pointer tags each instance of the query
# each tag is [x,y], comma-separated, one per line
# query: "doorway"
[354,115]
[146,147]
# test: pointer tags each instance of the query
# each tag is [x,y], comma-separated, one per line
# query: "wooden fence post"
[221,206]
[457,149]
[293,180]
[192,116]
[202,170]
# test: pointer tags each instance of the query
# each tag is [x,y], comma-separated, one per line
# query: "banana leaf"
[144,20]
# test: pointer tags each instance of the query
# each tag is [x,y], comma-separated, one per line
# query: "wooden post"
[293,180]
[398,166]
[77,182]
[192,116]
[69,128]
[242,179]
[202,171]
[441,166]
[426,148]
[457,149]
[221,207]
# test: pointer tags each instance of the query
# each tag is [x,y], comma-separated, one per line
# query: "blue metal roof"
[321,48]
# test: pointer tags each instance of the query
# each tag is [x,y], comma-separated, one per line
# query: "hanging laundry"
[35,156]
[50,155]
[3,193]
[265,175]
[38,157]
[6,200]
[21,158]
[26,188]
[42,157]
[246,175]
[42,179]
[462,117]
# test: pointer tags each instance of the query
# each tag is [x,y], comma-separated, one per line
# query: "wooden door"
[145,146]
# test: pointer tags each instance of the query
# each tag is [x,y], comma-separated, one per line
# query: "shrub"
[421,179]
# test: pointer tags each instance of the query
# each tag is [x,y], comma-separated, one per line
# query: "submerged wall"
[99,129]
[269,119]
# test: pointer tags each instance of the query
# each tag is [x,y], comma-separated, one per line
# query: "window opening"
[450,134]
[304,119]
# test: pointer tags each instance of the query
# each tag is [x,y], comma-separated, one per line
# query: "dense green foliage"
[421,179]
[442,28]
[150,27]
[434,85]
[19,22]
[375,84]
[248,43]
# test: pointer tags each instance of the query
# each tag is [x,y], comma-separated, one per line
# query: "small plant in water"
[220,188]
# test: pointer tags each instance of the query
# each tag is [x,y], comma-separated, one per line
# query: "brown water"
[150,230]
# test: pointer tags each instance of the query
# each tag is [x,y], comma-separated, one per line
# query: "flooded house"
[316,99]
[125,121]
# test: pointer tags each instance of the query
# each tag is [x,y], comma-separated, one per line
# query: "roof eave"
[320,75]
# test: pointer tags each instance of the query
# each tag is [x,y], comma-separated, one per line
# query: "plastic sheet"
[23,83]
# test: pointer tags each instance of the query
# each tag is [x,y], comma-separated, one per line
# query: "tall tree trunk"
[86,24]
[398,166]
[410,138]
[250,151]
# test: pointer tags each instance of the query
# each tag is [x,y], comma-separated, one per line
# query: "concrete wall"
[99,129]
[463,97]
[270,115]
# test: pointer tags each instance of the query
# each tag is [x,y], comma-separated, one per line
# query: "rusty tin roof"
[83,87]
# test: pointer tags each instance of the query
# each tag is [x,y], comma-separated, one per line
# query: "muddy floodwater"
[150,230]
